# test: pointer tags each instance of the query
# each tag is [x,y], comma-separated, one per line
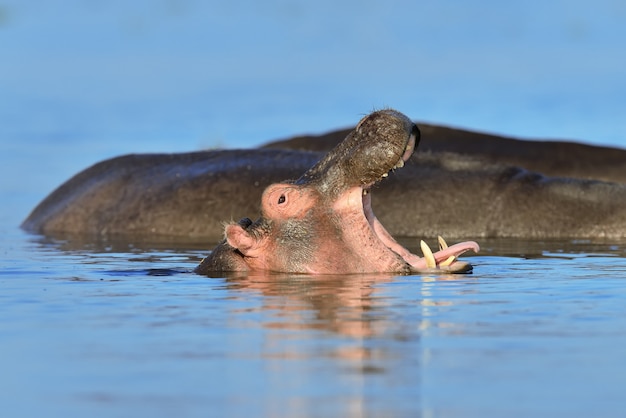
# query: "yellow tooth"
[428,255]
[449,261]
[442,246]
[385,175]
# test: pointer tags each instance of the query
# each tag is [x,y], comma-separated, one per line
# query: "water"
[186,73]
[117,329]
[129,330]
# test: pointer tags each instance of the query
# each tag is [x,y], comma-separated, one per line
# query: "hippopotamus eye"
[281,199]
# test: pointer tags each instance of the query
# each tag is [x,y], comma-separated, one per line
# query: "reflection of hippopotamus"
[323,222]
[484,192]
[339,303]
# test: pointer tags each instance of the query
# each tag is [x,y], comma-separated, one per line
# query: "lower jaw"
[444,261]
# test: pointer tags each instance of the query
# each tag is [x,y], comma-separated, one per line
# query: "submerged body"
[323,222]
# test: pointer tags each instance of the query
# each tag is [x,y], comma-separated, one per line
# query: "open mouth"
[373,247]
[444,260]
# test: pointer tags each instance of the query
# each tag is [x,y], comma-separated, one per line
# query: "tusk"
[442,243]
[428,255]
[449,261]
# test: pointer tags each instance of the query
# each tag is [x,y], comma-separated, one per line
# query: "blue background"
[81,81]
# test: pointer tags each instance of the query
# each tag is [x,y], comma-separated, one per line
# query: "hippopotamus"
[323,222]
[458,184]
[548,157]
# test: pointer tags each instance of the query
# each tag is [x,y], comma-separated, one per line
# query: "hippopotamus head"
[323,222]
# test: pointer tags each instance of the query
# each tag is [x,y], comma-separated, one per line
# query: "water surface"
[125,329]
[120,329]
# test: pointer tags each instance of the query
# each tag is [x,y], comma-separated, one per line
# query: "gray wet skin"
[367,154]
[466,184]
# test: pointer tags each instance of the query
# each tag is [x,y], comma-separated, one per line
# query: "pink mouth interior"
[410,147]
[415,261]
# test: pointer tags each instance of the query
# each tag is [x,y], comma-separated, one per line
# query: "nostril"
[245,222]
[281,199]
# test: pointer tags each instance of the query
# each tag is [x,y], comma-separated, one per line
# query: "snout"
[382,141]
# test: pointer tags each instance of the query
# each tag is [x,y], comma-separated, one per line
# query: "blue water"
[99,331]
[121,329]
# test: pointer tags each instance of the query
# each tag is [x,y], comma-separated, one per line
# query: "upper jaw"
[406,154]
[408,151]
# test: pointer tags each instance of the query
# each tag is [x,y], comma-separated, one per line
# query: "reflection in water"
[429,301]
[297,345]
[343,304]
[113,243]
[340,327]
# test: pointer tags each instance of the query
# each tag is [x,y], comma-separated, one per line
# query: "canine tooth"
[385,175]
[428,255]
[364,192]
[449,261]
[400,163]
[442,243]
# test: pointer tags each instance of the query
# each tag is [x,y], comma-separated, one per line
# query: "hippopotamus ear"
[284,200]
